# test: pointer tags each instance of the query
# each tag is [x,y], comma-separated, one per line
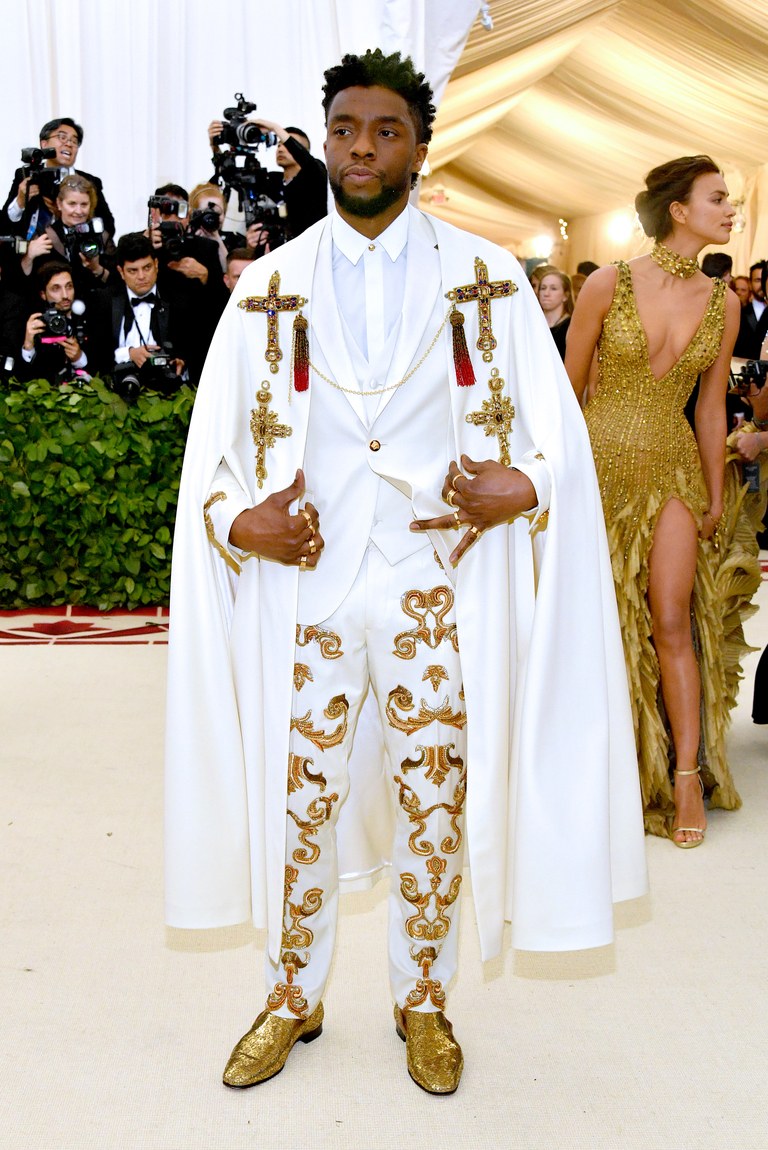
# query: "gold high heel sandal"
[688,844]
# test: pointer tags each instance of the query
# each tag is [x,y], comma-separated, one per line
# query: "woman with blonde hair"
[556,299]
[641,334]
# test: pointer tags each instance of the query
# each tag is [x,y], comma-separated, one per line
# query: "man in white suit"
[344,548]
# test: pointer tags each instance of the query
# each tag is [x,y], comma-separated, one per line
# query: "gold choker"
[673,262]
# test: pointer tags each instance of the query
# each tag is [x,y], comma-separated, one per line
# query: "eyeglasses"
[63,138]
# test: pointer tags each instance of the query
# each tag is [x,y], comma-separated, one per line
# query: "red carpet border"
[78,625]
[89,625]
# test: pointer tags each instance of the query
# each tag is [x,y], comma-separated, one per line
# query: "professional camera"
[238,132]
[45,178]
[171,231]
[86,239]
[19,246]
[204,220]
[168,206]
[60,326]
[753,373]
[157,374]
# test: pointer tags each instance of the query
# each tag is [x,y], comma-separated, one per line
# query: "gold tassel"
[300,353]
[465,375]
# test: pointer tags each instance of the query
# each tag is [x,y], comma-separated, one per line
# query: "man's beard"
[366,208]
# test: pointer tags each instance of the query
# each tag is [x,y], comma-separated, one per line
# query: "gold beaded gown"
[645,454]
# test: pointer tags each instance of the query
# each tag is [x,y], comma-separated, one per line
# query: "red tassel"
[465,375]
[300,353]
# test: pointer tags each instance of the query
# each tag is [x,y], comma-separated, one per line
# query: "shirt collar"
[352,243]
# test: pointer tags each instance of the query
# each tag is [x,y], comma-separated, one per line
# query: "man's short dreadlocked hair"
[374,69]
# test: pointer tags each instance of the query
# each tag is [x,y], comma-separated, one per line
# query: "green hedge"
[89,494]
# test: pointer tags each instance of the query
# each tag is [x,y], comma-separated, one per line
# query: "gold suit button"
[374,445]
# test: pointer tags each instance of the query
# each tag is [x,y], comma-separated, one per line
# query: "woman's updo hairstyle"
[668,184]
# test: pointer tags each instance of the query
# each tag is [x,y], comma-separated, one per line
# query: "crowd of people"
[140,310]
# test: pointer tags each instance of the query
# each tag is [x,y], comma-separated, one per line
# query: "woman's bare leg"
[672,568]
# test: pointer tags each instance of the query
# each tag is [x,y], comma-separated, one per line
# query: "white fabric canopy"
[146,77]
[562,109]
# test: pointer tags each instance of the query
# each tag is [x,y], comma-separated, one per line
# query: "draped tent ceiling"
[562,108]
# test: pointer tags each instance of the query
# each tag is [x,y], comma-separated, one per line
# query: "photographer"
[54,338]
[208,208]
[74,235]
[29,206]
[153,337]
[303,191]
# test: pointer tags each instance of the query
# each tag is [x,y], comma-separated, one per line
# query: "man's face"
[741,287]
[59,292]
[139,275]
[66,143]
[756,283]
[283,157]
[235,269]
[371,152]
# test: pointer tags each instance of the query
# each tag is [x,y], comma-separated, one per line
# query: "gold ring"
[475,531]
[449,499]
[308,517]
[303,563]
[453,481]
[458,521]
[312,547]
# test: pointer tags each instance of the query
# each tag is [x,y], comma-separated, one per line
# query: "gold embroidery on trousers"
[400,697]
[295,935]
[318,813]
[426,987]
[337,708]
[418,605]
[435,674]
[328,641]
[411,804]
[421,926]
[230,560]
[297,771]
[301,675]
[496,416]
[438,761]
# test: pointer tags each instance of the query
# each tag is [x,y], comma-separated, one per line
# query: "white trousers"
[395,634]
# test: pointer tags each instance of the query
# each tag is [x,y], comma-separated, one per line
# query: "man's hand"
[24,191]
[140,355]
[758,398]
[191,268]
[748,445]
[483,495]
[257,237]
[72,348]
[35,326]
[179,365]
[271,532]
[215,128]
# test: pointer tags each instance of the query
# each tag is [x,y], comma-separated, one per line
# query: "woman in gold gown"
[641,334]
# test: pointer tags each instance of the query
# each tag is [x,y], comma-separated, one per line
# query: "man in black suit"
[754,317]
[55,347]
[144,320]
[29,206]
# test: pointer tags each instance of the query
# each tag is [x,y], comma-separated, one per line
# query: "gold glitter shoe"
[435,1061]
[263,1051]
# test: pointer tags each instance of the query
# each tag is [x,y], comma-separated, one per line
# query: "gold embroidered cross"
[271,304]
[496,416]
[483,291]
[265,430]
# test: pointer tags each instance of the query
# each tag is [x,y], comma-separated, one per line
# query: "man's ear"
[122,273]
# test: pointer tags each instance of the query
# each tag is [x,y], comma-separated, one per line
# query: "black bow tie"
[150,297]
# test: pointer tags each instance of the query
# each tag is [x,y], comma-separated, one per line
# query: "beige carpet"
[115,1031]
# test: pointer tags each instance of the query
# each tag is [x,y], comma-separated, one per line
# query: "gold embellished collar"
[682,266]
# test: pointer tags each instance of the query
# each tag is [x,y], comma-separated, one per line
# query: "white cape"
[553,816]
